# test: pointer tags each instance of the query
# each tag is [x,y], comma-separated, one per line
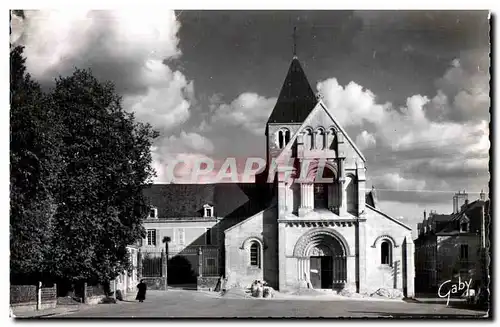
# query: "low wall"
[31,298]
[207,283]
[155,283]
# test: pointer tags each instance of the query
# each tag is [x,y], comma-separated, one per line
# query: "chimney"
[425,214]
[482,196]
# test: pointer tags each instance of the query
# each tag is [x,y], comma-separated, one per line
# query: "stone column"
[164,268]
[200,263]
[410,268]
[361,229]
[281,197]
[281,257]
[342,201]
[306,198]
[139,264]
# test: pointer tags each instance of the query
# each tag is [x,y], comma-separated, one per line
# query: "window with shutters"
[151,238]
[255,255]
[180,236]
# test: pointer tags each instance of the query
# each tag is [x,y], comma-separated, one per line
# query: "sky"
[410,88]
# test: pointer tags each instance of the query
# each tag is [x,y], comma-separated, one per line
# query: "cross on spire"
[295,41]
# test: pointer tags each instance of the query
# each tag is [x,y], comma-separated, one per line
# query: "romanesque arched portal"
[321,255]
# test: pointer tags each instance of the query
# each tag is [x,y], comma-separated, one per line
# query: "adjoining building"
[450,246]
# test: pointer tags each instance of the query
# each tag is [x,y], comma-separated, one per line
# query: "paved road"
[192,304]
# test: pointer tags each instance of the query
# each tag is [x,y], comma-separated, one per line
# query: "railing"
[195,261]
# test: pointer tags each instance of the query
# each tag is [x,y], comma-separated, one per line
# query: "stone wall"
[207,283]
[379,229]
[261,228]
[31,297]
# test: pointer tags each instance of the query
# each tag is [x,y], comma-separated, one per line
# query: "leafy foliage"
[34,163]
[100,162]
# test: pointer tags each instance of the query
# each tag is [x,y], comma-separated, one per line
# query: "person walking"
[141,291]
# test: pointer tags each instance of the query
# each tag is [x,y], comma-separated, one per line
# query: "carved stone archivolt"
[385,237]
[327,241]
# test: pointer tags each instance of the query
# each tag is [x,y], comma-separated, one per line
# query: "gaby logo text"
[461,286]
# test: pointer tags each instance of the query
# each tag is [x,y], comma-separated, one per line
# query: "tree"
[34,166]
[106,165]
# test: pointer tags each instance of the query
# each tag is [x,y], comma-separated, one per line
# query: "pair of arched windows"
[283,137]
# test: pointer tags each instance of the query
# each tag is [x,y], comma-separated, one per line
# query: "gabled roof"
[186,201]
[296,99]
[388,217]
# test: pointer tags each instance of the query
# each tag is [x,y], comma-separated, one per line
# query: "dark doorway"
[321,272]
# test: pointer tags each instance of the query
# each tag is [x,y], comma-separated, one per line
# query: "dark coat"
[141,293]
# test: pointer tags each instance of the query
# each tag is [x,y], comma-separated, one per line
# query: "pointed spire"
[296,99]
[295,42]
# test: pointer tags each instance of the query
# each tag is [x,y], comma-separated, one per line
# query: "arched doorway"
[322,257]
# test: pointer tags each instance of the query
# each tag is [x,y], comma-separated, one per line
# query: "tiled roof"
[296,99]
[185,201]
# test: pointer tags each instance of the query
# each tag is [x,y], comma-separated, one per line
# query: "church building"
[298,231]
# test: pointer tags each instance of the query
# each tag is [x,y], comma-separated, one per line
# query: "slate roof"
[185,201]
[473,212]
[296,99]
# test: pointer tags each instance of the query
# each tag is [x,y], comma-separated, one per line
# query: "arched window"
[319,141]
[308,139]
[331,142]
[352,194]
[287,136]
[386,253]
[255,255]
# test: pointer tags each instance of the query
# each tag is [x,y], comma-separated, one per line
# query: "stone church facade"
[314,226]
[316,234]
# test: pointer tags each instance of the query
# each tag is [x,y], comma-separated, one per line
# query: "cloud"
[393,181]
[365,140]
[249,111]
[463,91]
[428,145]
[128,47]
[351,105]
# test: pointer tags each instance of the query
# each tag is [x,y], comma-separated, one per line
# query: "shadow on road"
[419,315]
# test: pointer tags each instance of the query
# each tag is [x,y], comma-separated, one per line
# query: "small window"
[180,236]
[208,212]
[464,252]
[385,252]
[151,237]
[464,227]
[153,213]
[208,236]
[255,255]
